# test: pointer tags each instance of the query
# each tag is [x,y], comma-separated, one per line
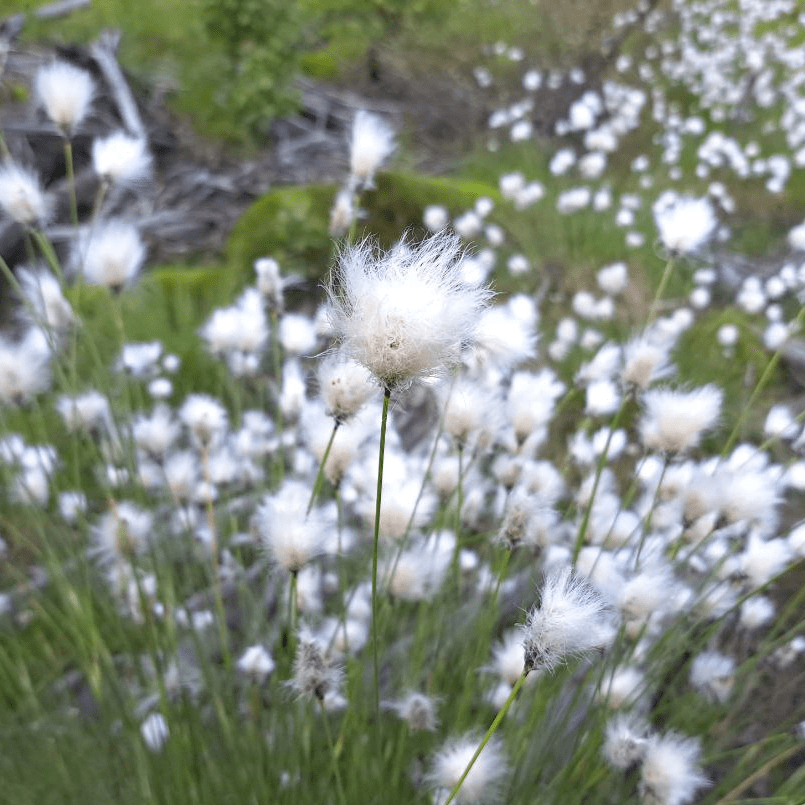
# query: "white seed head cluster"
[485,779]
[570,621]
[372,144]
[110,254]
[684,224]
[43,293]
[121,159]
[670,773]
[22,197]
[314,675]
[674,421]
[404,314]
[289,536]
[65,92]
[345,386]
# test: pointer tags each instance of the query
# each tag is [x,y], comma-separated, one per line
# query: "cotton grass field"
[477,488]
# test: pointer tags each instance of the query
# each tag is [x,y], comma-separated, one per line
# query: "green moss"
[319,64]
[290,224]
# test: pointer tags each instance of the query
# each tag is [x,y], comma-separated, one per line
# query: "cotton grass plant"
[573,572]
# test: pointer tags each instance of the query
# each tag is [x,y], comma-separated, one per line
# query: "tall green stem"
[760,385]
[383,423]
[68,161]
[320,475]
[342,800]
[599,469]
[489,733]
[666,275]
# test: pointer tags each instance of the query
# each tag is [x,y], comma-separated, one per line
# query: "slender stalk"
[68,161]
[489,733]
[650,515]
[733,795]
[320,475]
[103,187]
[216,576]
[652,313]
[339,786]
[292,613]
[599,469]
[49,254]
[376,540]
[759,386]
[459,504]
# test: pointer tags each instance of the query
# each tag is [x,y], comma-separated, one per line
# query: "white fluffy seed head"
[121,159]
[418,710]
[66,93]
[484,780]
[43,293]
[571,620]
[314,675]
[405,314]
[713,675]
[674,421]
[371,144]
[289,536]
[24,367]
[345,386]
[625,741]
[670,773]
[110,254]
[256,663]
[684,224]
[22,197]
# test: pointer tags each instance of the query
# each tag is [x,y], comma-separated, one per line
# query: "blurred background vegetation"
[230,65]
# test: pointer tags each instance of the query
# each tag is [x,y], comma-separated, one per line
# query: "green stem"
[761,384]
[650,515]
[336,771]
[320,475]
[292,613]
[666,274]
[489,733]
[103,187]
[459,504]
[49,254]
[68,161]
[599,469]
[376,540]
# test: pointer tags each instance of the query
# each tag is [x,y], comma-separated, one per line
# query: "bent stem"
[320,475]
[376,539]
[489,733]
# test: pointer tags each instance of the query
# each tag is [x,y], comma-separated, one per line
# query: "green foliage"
[260,40]
[290,224]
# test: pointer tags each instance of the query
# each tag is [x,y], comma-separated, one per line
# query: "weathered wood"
[104,52]
[61,8]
